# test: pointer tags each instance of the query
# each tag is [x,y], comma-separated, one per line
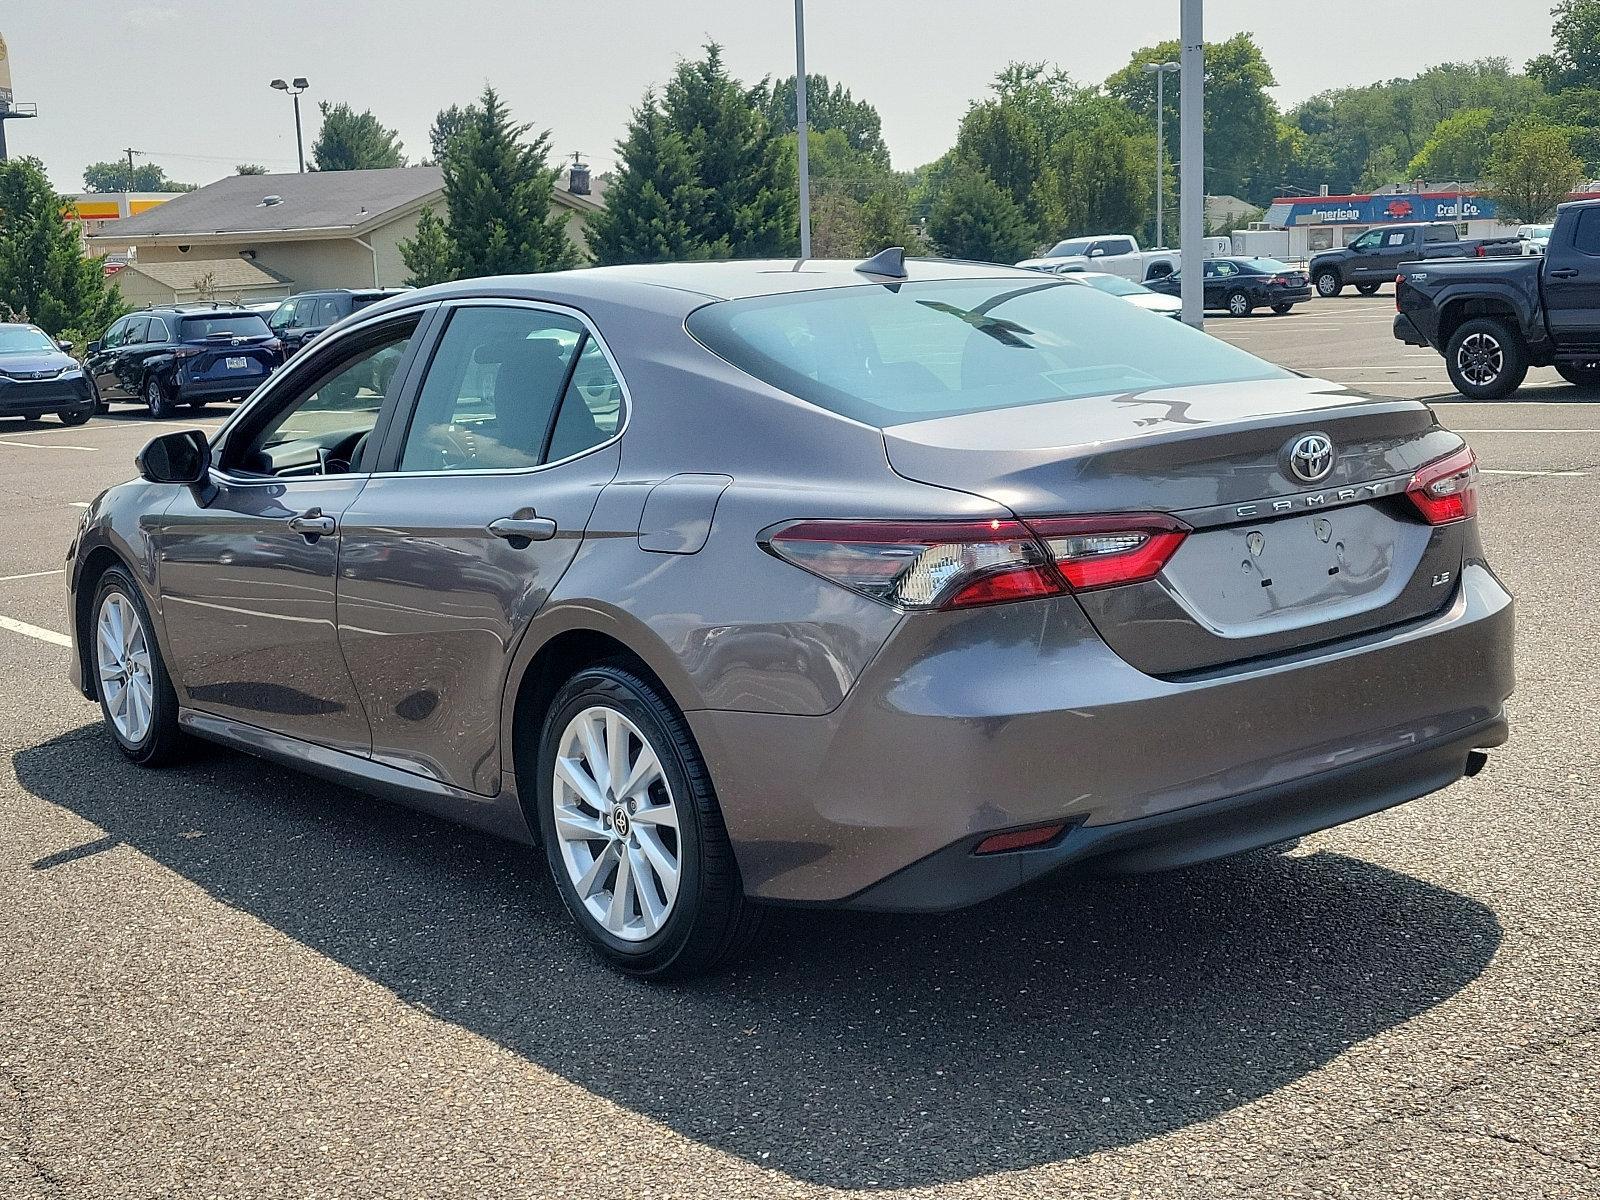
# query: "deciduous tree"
[114,177]
[1533,169]
[354,141]
[975,218]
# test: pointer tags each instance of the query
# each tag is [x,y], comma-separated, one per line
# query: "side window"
[323,429]
[1586,237]
[327,311]
[135,334]
[492,389]
[1439,233]
[591,409]
[156,331]
[1396,238]
[115,335]
[1118,246]
[283,318]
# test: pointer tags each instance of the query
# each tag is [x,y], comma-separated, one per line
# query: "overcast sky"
[186,80]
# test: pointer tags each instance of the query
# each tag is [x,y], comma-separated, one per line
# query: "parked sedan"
[892,585]
[1134,293]
[38,376]
[1238,286]
[183,354]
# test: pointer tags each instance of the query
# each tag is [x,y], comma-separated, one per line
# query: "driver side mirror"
[92,348]
[183,458]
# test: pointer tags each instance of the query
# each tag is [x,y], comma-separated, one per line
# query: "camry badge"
[1310,458]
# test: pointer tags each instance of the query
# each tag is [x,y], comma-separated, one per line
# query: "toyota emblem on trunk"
[1310,458]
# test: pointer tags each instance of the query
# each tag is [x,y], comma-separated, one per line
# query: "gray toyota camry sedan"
[892,585]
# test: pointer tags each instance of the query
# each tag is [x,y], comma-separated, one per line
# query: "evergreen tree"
[886,221]
[429,255]
[656,206]
[1002,141]
[751,199]
[829,106]
[45,277]
[352,141]
[497,188]
[449,122]
[249,169]
[975,218]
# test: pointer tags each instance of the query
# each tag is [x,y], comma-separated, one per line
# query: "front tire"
[1240,305]
[1486,359]
[632,831]
[1584,375]
[157,399]
[1283,310]
[75,416]
[1329,284]
[1368,289]
[136,695]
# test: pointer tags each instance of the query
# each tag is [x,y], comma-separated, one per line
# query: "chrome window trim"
[559,310]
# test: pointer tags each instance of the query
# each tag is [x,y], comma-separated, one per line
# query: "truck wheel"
[1584,375]
[1329,284]
[1240,305]
[1368,289]
[1486,359]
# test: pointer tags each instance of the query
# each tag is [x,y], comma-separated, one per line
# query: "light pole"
[803,143]
[1161,71]
[294,89]
[1192,168]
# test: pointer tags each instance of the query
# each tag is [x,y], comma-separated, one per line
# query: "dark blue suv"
[184,355]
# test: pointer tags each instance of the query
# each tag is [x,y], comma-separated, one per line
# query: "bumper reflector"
[1019,839]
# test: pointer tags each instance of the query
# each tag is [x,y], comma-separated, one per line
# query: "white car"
[1134,293]
[1116,254]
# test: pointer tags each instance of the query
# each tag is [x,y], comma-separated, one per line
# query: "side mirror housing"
[66,347]
[92,348]
[183,457]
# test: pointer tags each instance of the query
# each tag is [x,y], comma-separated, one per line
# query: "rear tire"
[1368,289]
[1486,359]
[157,399]
[1240,304]
[1329,284]
[1584,375]
[136,696]
[1283,310]
[681,910]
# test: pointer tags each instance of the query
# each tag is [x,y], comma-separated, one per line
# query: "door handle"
[519,531]
[1565,273]
[312,524]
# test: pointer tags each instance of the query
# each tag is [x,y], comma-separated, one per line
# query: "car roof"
[221,310]
[698,283]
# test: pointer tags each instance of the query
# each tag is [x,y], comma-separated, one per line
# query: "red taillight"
[962,564]
[1097,552]
[1446,490]
[922,564]
[1398,280]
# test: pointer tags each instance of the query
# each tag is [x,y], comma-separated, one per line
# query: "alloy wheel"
[1480,359]
[1239,304]
[616,823]
[122,654]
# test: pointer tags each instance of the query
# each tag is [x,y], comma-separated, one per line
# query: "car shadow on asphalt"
[853,1050]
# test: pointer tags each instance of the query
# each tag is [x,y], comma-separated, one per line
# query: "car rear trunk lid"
[1275,563]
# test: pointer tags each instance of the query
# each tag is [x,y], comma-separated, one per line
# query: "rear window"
[891,354]
[196,329]
[1113,285]
[1271,266]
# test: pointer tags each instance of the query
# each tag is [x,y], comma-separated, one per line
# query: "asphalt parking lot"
[225,979]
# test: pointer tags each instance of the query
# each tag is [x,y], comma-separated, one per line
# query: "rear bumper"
[1021,715]
[1405,329]
[1300,295]
[208,389]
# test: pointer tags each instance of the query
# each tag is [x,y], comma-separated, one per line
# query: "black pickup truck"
[1493,318]
[1372,259]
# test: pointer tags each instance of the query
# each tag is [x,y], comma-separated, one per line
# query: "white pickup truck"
[1116,254]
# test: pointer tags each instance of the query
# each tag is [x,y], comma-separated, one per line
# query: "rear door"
[478,506]
[1572,280]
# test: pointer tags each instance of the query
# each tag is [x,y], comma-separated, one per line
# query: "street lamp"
[803,141]
[294,89]
[1160,71]
[1192,165]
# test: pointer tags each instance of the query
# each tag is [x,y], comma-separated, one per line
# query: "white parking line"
[1457,430]
[47,446]
[77,504]
[33,631]
[33,575]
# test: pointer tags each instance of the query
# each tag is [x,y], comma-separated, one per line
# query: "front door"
[102,363]
[248,574]
[478,508]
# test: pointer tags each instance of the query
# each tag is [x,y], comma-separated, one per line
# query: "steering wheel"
[454,447]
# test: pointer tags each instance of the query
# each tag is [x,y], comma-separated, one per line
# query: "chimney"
[578,176]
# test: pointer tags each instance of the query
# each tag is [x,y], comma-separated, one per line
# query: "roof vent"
[890,263]
[269,201]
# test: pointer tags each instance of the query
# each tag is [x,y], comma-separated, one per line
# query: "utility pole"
[130,152]
[1161,71]
[1192,170]
[804,140]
